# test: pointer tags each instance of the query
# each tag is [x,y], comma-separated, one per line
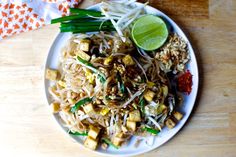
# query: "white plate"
[165,135]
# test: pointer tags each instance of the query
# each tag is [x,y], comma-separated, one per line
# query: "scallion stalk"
[141,104]
[153,131]
[78,133]
[86,12]
[80,103]
[90,66]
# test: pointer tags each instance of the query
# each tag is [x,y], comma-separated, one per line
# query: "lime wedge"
[149,32]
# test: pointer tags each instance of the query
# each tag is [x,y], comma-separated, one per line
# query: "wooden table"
[28,129]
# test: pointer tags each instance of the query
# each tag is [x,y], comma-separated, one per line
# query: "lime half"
[149,32]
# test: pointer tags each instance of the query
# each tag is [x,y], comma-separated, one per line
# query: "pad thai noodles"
[107,90]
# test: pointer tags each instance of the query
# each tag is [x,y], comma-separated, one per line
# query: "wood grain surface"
[28,129]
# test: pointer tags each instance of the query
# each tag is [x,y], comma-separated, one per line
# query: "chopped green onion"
[107,97]
[78,133]
[67,18]
[122,86]
[88,24]
[80,13]
[80,20]
[80,103]
[85,28]
[102,78]
[87,64]
[153,131]
[86,12]
[107,141]
[141,104]
[90,66]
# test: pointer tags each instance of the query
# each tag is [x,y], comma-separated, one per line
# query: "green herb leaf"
[80,103]
[107,141]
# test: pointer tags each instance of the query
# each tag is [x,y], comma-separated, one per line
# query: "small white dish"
[165,135]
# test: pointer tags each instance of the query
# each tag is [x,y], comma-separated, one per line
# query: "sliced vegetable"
[84,29]
[78,133]
[80,103]
[67,18]
[80,13]
[153,131]
[88,23]
[107,141]
[86,12]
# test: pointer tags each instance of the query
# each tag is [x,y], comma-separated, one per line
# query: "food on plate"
[107,88]
[149,32]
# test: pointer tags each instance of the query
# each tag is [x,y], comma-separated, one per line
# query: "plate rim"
[57,36]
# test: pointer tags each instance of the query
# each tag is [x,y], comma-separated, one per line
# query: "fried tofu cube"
[82,55]
[135,116]
[52,74]
[127,60]
[55,106]
[108,60]
[91,143]
[93,132]
[149,95]
[178,116]
[88,108]
[118,139]
[170,123]
[131,125]
[161,108]
[84,45]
